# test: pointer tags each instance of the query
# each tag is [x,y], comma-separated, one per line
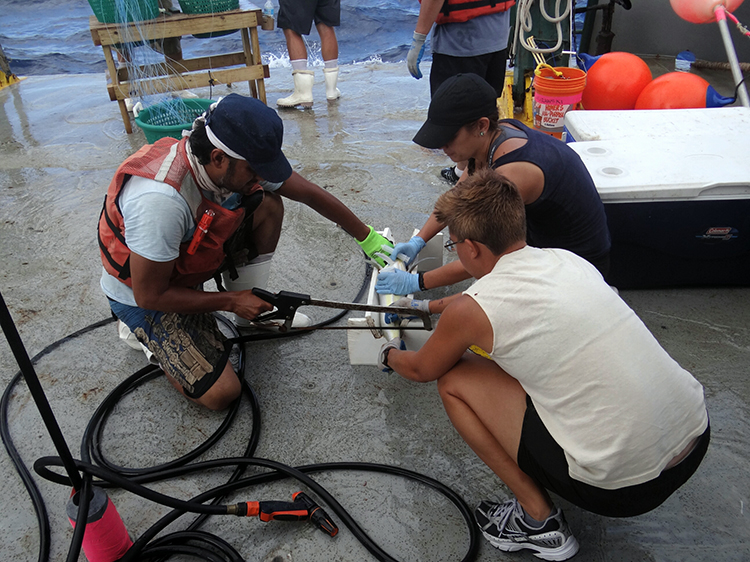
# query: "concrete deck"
[60,141]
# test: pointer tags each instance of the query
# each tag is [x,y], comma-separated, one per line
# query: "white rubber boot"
[302,95]
[256,275]
[332,76]
[129,338]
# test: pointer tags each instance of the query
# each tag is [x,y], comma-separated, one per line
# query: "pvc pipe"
[734,64]
[387,300]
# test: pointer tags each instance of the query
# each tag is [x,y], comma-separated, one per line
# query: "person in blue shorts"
[178,213]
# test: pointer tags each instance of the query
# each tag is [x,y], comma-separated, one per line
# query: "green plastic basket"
[169,118]
[106,11]
[210,7]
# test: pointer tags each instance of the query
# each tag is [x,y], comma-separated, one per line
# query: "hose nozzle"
[317,514]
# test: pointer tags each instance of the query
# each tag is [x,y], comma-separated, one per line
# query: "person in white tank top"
[574,396]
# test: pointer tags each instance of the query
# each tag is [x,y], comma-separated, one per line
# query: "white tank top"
[619,406]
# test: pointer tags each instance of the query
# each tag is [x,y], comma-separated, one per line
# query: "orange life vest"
[456,11]
[165,161]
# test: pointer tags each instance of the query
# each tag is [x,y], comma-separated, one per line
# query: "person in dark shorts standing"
[466,37]
[179,212]
[575,397]
[296,18]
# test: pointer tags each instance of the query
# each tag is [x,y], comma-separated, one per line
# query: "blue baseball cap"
[247,129]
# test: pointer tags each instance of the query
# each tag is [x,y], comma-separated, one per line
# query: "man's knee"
[223,392]
[218,402]
[325,31]
[272,208]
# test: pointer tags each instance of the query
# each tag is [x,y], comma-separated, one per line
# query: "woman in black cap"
[563,208]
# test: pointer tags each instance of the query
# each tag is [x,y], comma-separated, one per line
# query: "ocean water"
[52,36]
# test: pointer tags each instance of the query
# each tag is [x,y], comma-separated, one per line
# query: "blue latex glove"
[406,302]
[409,249]
[396,282]
[395,343]
[416,51]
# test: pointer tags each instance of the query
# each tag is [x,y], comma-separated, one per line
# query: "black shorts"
[543,459]
[298,15]
[491,67]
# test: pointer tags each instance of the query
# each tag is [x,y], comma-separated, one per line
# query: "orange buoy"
[615,81]
[702,11]
[679,90]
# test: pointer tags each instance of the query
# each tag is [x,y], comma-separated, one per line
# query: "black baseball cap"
[460,100]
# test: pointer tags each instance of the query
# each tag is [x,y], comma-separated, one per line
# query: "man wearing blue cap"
[179,212]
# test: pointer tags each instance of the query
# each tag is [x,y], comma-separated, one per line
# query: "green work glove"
[375,244]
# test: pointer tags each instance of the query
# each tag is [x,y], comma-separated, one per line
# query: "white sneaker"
[503,525]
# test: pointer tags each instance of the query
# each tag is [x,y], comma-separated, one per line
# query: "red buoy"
[702,11]
[675,90]
[615,81]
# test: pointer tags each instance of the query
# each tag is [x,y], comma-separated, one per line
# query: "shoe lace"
[501,514]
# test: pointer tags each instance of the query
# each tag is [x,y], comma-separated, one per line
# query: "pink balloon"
[702,11]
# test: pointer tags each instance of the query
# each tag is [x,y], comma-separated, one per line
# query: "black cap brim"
[435,136]
[277,171]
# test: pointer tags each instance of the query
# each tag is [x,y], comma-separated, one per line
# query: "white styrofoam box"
[700,166]
[657,123]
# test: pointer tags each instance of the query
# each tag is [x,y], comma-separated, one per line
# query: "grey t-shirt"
[478,36]
[157,220]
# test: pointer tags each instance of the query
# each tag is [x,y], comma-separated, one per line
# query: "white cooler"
[677,203]
[656,123]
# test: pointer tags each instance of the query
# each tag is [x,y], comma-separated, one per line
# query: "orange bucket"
[555,95]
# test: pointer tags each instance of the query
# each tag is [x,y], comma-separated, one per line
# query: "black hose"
[84,500]
[37,500]
[182,539]
[192,542]
[279,471]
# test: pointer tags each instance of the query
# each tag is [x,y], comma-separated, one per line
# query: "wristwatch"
[384,358]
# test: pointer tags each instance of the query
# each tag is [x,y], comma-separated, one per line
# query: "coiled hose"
[192,541]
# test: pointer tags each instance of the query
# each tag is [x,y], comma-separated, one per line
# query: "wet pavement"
[60,142]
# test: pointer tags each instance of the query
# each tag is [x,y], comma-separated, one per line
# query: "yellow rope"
[538,70]
[540,64]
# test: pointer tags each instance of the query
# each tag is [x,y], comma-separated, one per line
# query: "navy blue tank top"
[569,213]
